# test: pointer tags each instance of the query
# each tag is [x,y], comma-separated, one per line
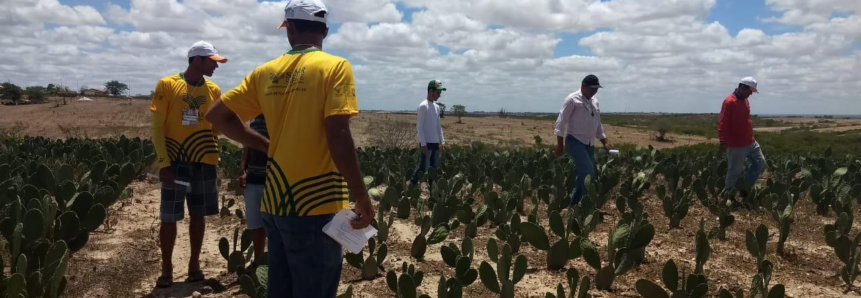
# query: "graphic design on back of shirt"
[303,197]
[286,82]
[296,93]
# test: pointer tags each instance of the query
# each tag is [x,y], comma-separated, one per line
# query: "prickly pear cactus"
[502,280]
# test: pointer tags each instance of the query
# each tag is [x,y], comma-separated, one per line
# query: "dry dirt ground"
[817,124]
[107,117]
[123,260]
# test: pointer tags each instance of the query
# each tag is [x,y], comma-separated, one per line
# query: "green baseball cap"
[436,85]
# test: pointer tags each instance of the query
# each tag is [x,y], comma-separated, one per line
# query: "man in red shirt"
[735,130]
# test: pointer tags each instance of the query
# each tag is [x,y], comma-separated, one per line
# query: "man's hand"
[364,210]
[606,147]
[722,147]
[441,147]
[425,150]
[242,180]
[559,150]
[167,175]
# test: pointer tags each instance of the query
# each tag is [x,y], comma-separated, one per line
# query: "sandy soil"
[809,269]
[123,260]
[109,117]
[97,118]
[821,124]
[772,129]
[839,129]
[520,132]
[836,121]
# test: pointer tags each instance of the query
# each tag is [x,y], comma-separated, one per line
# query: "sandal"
[195,276]
[164,281]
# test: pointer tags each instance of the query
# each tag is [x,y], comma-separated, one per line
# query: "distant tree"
[502,113]
[459,111]
[83,88]
[12,92]
[36,93]
[51,89]
[662,127]
[441,109]
[115,88]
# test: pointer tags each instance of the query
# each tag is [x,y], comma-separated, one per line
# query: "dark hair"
[304,26]
[743,86]
[191,59]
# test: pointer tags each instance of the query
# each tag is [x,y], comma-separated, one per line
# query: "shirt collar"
[735,93]
[579,95]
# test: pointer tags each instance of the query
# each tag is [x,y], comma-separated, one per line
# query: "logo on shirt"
[345,90]
[195,102]
[289,77]
[286,82]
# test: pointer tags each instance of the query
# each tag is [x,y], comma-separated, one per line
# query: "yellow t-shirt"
[188,136]
[295,93]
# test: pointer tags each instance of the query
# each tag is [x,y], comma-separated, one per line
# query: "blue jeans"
[584,163]
[432,159]
[253,196]
[303,261]
[735,162]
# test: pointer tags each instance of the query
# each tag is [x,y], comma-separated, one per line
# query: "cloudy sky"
[522,55]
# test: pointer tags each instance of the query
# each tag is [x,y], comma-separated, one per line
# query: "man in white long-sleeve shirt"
[579,124]
[429,130]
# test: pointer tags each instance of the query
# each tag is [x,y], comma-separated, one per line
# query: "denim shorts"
[253,195]
[304,262]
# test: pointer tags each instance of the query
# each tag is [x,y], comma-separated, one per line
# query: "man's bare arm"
[343,152]
[229,124]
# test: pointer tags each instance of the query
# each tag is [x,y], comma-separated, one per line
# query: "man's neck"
[192,77]
[737,95]
[584,95]
[304,45]
[431,100]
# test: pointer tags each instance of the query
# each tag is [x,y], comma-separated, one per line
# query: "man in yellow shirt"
[188,152]
[307,97]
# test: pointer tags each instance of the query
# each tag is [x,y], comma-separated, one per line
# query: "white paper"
[611,151]
[341,230]
[183,183]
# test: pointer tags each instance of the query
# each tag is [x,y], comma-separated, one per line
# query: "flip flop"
[195,276]
[164,281]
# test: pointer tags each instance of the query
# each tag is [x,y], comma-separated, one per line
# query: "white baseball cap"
[202,48]
[750,82]
[304,10]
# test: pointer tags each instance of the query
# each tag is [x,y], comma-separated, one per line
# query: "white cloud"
[652,55]
[166,15]
[567,16]
[47,11]
[117,14]
[382,11]
[805,12]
